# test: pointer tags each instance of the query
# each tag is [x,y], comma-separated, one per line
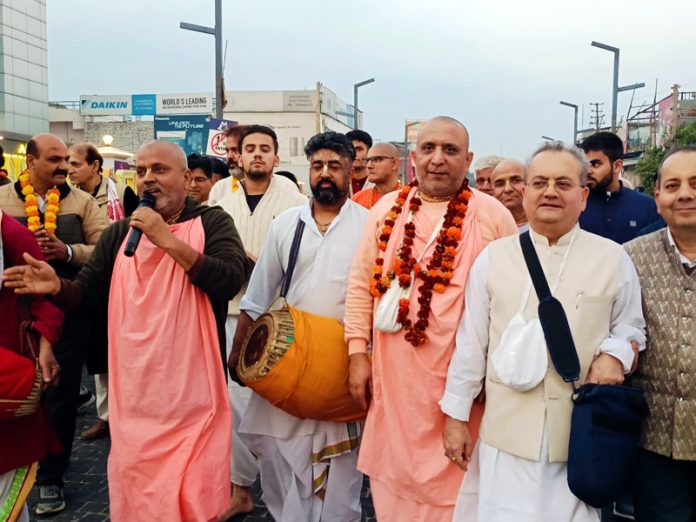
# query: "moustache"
[60,172]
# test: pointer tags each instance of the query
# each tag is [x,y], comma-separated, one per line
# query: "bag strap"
[553,319]
[294,249]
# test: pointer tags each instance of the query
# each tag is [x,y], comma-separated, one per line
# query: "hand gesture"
[457,442]
[606,369]
[152,225]
[49,366]
[51,247]
[360,379]
[36,277]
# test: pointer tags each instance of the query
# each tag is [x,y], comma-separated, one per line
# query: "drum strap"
[294,249]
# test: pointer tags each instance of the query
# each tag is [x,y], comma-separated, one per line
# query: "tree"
[647,167]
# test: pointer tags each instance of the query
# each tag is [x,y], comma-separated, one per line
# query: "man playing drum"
[295,455]
[408,283]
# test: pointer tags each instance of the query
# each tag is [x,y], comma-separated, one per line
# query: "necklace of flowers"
[438,273]
[31,206]
[373,196]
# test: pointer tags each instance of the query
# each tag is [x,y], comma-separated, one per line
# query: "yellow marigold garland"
[31,206]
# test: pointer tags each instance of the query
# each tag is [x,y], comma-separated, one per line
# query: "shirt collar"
[682,258]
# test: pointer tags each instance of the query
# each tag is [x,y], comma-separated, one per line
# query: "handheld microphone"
[147,201]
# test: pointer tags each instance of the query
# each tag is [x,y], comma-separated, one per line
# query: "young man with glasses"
[382,170]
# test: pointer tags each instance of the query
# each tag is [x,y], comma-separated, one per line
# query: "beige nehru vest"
[514,421]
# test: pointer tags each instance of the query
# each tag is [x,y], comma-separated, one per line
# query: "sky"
[500,67]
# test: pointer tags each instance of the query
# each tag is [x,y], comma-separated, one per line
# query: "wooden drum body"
[299,363]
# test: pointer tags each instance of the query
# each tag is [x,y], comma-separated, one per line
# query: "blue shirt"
[620,215]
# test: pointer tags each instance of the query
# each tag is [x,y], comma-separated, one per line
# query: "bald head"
[383,149]
[42,142]
[161,170]
[47,162]
[506,167]
[442,156]
[383,166]
[171,150]
[439,121]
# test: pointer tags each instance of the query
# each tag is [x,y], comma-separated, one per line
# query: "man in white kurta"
[262,197]
[518,472]
[304,477]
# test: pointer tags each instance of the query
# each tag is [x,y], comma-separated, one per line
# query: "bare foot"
[241,503]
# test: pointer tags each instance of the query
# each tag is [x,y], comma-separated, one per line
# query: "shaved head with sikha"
[383,166]
[162,171]
[442,156]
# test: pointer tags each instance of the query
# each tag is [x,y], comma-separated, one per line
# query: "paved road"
[86,488]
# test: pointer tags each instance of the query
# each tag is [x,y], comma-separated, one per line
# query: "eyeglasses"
[563,185]
[376,159]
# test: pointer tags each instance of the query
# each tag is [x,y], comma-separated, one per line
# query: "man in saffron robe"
[401,449]
[169,412]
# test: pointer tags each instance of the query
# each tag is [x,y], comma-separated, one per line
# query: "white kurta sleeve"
[627,323]
[266,277]
[468,366]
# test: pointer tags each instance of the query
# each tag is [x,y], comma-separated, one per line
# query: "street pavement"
[87,492]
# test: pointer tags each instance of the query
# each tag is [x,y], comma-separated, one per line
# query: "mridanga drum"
[299,363]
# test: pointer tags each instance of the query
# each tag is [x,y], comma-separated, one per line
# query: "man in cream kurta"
[308,467]
[524,434]
[262,197]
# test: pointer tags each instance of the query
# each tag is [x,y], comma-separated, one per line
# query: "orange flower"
[377,269]
[439,287]
[454,233]
[447,275]
[382,245]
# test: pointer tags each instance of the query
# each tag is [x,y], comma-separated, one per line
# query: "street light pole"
[575,120]
[217,33]
[548,138]
[615,88]
[355,100]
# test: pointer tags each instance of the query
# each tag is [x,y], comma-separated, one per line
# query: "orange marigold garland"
[436,276]
[31,206]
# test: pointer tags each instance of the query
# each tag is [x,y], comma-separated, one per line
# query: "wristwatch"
[70,253]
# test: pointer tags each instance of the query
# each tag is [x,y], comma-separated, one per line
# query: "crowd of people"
[459,413]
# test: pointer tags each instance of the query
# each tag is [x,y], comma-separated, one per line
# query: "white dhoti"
[244,466]
[101,386]
[288,488]
[500,487]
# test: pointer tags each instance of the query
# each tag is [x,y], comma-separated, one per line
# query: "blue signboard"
[189,132]
[144,104]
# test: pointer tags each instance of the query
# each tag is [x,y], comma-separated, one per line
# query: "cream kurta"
[401,449]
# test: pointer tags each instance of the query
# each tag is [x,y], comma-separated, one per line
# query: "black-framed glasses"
[377,159]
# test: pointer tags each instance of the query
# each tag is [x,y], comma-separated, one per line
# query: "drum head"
[256,345]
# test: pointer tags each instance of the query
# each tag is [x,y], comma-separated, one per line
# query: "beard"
[329,195]
[258,175]
[602,184]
